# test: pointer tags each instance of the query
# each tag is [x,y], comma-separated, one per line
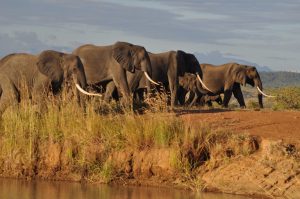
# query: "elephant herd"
[125,71]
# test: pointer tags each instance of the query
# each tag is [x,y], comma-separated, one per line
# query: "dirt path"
[269,124]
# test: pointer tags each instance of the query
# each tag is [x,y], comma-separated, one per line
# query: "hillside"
[217,58]
[280,79]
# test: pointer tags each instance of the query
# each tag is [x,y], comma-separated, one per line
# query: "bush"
[287,98]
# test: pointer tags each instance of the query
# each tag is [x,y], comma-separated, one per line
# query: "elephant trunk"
[258,85]
[81,79]
[81,84]
[147,69]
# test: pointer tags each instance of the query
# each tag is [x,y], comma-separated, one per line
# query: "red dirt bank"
[274,170]
[273,125]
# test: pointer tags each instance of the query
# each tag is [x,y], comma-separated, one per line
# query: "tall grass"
[59,119]
[88,136]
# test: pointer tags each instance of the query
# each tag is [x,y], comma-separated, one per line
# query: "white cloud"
[256,30]
[26,42]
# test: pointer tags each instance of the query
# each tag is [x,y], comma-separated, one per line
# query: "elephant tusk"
[85,92]
[187,96]
[203,85]
[146,74]
[264,93]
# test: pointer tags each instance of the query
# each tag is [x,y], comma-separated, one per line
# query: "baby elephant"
[208,99]
[191,88]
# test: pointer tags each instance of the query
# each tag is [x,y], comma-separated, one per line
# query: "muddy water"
[18,189]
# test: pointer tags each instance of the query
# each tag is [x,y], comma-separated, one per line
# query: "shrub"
[287,98]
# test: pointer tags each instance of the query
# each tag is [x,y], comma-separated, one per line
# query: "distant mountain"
[217,58]
[270,78]
[280,79]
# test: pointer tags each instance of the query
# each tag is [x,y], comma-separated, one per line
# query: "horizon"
[263,33]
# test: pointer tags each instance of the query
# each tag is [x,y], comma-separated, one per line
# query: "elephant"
[228,78]
[203,99]
[190,87]
[108,64]
[166,68]
[208,99]
[40,74]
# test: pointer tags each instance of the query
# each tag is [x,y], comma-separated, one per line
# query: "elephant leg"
[237,92]
[9,95]
[194,100]
[209,103]
[208,100]
[181,93]
[201,100]
[110,88]
[219,100]
[227,96]
[136,96]
[141,94]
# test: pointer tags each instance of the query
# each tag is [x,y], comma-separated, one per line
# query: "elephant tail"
[1,90]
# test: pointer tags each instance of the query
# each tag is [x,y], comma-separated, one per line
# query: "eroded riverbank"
[270,169]
[163,151]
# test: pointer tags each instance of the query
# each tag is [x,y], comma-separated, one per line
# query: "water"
[19,189]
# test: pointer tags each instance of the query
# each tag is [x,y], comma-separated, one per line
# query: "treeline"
[280,79]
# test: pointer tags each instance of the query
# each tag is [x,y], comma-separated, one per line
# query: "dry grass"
[109,128]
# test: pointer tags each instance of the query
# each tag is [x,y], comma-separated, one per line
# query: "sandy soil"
[284,125]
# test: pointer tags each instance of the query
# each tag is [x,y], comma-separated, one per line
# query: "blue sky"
[265,32]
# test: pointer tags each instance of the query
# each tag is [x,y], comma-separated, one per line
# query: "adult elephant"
[228,78]
[39,74]
[166,68]
[110,63]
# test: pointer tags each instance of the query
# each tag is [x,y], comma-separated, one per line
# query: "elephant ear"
[181,62]
[124,55]
[187,62]
[50,64]
[240,75]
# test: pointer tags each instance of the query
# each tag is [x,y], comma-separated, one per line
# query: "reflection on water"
[19,189]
